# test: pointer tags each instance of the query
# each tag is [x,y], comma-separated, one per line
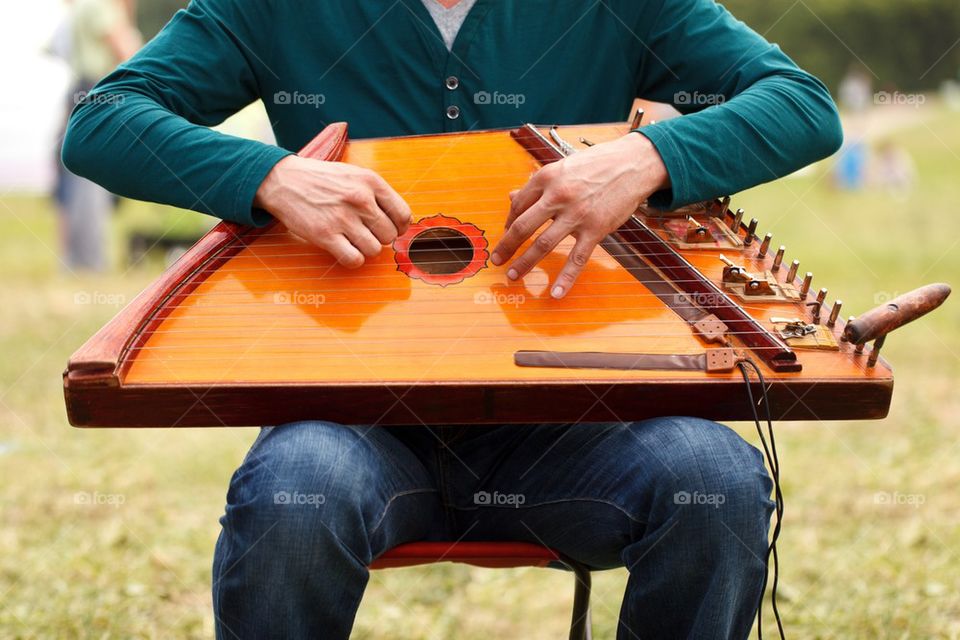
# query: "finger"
[380,225]
[576,261]
[392,204]
[363,239]
[344,252]
[544,244]
[523,199]
[519,232]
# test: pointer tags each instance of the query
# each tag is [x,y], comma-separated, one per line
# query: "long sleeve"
[143,130]
[754,116]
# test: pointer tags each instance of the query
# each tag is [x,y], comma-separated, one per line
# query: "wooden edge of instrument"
[99,362]
[156,406]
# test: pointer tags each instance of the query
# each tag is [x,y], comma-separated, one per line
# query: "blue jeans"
[683,503]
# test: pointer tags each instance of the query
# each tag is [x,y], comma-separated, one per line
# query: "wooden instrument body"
[254,326]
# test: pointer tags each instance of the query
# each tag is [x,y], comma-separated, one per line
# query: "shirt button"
[453,112]
[452,83]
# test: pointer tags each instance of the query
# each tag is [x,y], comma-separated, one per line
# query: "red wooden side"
[99,361]
[494,555]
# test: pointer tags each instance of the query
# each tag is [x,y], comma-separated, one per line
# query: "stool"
[498,555]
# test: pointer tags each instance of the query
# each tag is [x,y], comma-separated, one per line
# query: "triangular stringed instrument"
[256,326]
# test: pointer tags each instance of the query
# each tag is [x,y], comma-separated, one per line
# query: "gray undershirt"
[449,20]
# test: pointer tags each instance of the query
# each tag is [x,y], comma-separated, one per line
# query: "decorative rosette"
[462,232]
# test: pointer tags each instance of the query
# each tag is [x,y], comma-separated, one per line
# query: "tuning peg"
[859,347]
[778,259]
[818,306]
[792,273]
[765,245]
[737,221]
[834,313]
[751,231]
[724,207]
[637,119]
[875,351]
[805,287]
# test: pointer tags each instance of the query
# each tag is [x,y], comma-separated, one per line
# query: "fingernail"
[495,258]
[557,292]
[512,274]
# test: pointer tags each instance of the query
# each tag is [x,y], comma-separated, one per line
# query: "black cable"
[773,461]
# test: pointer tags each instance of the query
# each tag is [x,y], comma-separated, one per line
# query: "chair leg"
[580,627]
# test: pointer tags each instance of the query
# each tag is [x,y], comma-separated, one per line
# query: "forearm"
[778,125]
[136,148]
[752,114]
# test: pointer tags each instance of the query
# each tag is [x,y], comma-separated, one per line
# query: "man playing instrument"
[607,495]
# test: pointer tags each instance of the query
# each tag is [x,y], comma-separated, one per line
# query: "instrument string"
[296,353]
[394,339]
[412,312]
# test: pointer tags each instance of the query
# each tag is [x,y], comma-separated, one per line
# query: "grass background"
[855,564]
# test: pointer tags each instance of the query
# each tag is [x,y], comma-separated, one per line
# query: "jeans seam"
[547,503]
[390,502]
[696,460]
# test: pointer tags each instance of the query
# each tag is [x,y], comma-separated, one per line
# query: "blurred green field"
[109,534]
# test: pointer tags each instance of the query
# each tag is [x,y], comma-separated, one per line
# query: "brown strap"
[711,361]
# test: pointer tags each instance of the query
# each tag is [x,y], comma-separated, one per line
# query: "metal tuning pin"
[805,287]
[875,351]
[818,306]
[765,245]
[859,347]
[792,273]
[724,207]
[586,142]
[565,147]
[751,231]
[778,259]
[637,119]
[834,313]
[737,221]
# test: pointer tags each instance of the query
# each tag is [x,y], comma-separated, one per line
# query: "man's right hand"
[347,210]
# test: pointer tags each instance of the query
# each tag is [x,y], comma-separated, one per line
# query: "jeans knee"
[712,474]
[309,483]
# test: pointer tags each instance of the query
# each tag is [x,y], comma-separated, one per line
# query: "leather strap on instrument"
[712,360]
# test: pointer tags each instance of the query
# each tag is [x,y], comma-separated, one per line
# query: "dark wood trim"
[452,403]
[659,254]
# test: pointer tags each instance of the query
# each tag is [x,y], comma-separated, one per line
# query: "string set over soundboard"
[256,326]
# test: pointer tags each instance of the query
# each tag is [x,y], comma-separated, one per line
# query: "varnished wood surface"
[282,311]
[264,329]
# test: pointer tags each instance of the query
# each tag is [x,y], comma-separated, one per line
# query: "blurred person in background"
[895,169]
[101,34]
[855,95]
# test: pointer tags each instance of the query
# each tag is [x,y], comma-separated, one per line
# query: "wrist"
[647,162]
[269,190]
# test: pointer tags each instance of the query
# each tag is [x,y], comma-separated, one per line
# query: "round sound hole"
[441,251]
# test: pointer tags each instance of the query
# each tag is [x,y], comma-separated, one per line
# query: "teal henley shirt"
[382,66]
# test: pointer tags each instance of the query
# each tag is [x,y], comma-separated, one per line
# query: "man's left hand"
[586,195]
